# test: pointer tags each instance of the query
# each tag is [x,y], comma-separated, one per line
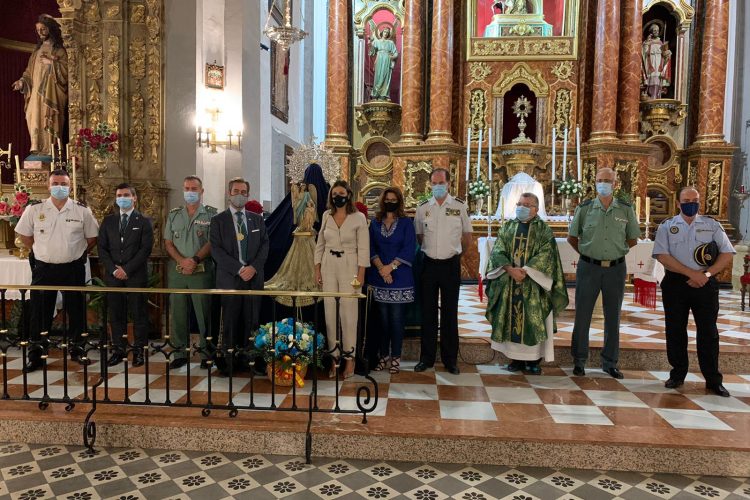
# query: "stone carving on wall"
[113,85]
[588,175]
[137,13]
[534,48]
[477,112]
[628,176]
[563,109]
[479,71]
[563,70]
[153,24]
[417,181]
[713,187]
[521,73]
[692,174]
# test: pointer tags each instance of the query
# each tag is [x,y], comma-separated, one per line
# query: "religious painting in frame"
[214,76]
[279,83]
[511,30]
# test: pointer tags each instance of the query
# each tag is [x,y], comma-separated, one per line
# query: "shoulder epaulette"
[587,202]
[81,204]
[459,200]
[624,202]
[175,209]
[33,202]
[425,201]
[209,208]
[709,217]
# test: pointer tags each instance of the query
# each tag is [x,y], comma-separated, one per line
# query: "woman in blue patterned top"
[393,245]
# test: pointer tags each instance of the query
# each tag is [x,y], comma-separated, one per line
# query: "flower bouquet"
[101,142]
[294,345]
[11,209]
[570,188]
[478,189]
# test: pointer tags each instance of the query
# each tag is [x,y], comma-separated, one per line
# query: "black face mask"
[340,201]
[391,206]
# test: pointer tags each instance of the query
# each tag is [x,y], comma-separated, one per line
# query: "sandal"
[395,365]
[348,368]
[382,364]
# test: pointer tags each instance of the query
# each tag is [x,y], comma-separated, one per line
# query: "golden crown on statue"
[313,152]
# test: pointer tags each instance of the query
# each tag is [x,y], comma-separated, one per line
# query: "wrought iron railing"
[16,344]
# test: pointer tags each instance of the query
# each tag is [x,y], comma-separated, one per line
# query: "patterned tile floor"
[69,472]
[638,325]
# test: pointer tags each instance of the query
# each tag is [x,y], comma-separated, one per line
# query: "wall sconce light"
[213,134]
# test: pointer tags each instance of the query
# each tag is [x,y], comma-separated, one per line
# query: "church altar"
[15,271]
[639,262]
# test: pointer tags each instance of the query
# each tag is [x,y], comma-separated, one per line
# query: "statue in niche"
[657,70]
[383,48]
[44,85]
[510,7]
[518,18]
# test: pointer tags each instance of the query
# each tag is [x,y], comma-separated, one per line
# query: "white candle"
[638,208]
[489,171]
[75,184]
[648,209]
[468,154]
[565,155]
[554,152]
[18,170]
[578,151]
[59,147]
[479,149]
[67,151]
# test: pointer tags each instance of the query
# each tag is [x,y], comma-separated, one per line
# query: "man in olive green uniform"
[186,241]
[602,231]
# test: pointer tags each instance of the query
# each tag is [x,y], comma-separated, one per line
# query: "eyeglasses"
[527,206]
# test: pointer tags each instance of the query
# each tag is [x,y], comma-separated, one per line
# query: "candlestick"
[489,171]
[75,184]
[479,149]
[565,156]
[554,150]
[18,170]
[67,151]
[468,155]
[578,151]
[648,209]
[638,209]
[52,165]
[59,147]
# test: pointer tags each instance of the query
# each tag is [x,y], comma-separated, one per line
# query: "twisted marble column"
[713,73]
[337,72]
[629,97]
[441,72]
[606,67]
[412,114]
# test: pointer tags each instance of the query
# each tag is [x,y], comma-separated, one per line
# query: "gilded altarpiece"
[115,67]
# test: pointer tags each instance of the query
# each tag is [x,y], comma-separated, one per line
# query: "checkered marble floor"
[40,471]
[638,324]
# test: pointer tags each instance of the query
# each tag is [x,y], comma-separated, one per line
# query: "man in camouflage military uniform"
[186,241]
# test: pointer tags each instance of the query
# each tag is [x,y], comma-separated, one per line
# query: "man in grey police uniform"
[683,245]
[60,233]
[443,229]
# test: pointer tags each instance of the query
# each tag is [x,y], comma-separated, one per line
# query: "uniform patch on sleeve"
[674,229]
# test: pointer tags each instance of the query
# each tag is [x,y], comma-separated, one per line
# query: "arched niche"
[522,74]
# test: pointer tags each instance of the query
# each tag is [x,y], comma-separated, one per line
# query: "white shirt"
[237,229]
[442,226]
[59,235]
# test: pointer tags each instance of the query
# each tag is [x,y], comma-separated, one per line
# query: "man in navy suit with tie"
[125,241]
[239,245]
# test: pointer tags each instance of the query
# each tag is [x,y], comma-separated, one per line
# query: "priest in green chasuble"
[525,289]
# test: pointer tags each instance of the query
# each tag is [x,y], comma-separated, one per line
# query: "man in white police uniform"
[693,249]
[60,233]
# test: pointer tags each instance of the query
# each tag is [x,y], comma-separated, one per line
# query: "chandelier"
[286,34]
[312,152]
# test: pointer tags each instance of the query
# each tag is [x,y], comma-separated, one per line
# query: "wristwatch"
[196,259]
[707,274]
[394,265]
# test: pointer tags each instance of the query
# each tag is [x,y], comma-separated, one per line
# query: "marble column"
[337,98]
[412,114]
[606,67]
[629,97]
[441,72]
[713,73]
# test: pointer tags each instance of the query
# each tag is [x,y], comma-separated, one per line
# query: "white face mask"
[238,200]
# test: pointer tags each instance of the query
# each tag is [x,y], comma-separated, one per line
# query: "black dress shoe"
[516,366]
[138,359]
[204,364]
[673,383]
[421,366]
[32,366]
[719,390]
[614,373]
[453,370]
[578,371]
[79,357]
[177,363]
[115,359]
[533,367]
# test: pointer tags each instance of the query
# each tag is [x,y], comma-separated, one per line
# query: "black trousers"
[440,278]
[679,299]
[43,302]
[240,319]
[118,304]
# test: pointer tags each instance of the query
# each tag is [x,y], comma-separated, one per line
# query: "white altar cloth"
[14,271]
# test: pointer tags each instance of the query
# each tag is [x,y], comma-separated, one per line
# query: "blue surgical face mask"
[124,203]
[439,190]
[60,192]
[604,188]
[689,209]
[191,197]
[523,213]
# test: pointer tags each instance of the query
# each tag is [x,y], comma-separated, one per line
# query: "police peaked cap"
[705,255]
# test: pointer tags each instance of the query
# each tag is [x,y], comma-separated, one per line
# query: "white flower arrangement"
[570,188]
[478,189]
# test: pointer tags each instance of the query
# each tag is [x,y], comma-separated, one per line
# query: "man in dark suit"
[239,245]
[125,242]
